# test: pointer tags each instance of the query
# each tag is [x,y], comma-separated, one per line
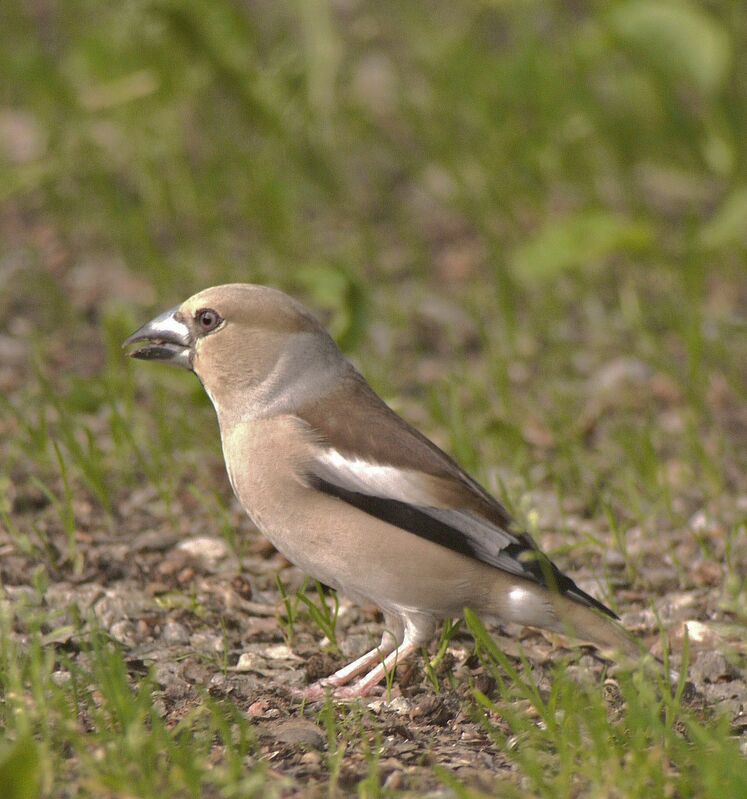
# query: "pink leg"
[377,674]
[344,675]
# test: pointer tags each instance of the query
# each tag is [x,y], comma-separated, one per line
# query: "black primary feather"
[521,558]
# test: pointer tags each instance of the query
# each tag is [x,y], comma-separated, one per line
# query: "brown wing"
[406,480]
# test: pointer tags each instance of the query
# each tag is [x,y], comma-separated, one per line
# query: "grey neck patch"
[307,368]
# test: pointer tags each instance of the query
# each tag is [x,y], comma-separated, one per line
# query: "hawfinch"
[353,495]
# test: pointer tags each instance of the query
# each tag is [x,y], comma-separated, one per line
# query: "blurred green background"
[516,146]
[523,190]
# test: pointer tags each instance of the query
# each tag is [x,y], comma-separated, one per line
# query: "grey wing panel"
[457,529]
[422,505]
[487,542]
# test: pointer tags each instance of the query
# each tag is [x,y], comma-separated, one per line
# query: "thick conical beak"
[166,338]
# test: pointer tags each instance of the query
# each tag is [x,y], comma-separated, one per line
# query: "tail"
[608,636]
[592,626]
[524,602]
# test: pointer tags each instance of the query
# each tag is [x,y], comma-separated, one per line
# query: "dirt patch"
[206,622]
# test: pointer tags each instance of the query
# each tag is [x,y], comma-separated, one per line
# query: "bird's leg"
[344,675]
[378,673]
[414,630]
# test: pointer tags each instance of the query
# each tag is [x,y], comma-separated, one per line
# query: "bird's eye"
[207,319]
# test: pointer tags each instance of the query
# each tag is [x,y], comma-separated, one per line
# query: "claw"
[313,692]
[321,690]
[353,692]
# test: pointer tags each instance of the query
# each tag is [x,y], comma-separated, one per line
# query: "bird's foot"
[324,688]
[314,692]
[352,692]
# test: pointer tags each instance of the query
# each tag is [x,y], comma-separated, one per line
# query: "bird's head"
[253,347]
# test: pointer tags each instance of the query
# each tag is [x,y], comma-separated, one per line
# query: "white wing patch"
[441,515]
[483,538]
[376,479]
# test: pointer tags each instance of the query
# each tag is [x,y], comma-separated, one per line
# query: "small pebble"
[298,732]
[175,633]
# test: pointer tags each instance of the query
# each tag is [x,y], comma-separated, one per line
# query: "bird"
[351,493]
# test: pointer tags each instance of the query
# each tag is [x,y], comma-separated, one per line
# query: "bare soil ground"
[188,592]
[179,601]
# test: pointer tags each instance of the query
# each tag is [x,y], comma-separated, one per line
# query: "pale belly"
[343,547]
